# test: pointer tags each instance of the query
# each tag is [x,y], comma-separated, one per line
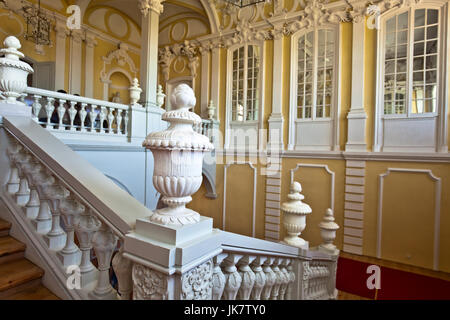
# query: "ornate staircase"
[19,278]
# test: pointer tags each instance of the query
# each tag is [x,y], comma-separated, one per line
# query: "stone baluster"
[22,196]
[36,106]
[119,119]
[233,278]
[93,117]
[72,114]
[61,110]
[278,280]
[219,278]
[110,119]
[104,242]
[102,118]
[49,108]
[260,278]
[82,114]
[14,180]
[270,279]
[125,122]
[285,282]
[290,288]
[248,277]
[123,269]
[43,220]
[33,204]
[71,210]
[85,229]
[56,238]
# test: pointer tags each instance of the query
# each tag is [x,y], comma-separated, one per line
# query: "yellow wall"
[408,199]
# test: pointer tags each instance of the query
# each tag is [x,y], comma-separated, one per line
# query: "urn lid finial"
[295,204]
[12,54]
[180,134]
[328,221]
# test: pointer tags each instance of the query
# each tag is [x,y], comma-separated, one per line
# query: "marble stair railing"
[59,201]
[65,112]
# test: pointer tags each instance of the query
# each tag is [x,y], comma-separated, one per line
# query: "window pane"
[419,18]
[432,62]
[432,32]
[418,63]
[403,21]
[432,16]
[432,46]
[419,34]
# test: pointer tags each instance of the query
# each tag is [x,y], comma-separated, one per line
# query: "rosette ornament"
[295,212]
[178,153]
[13,72]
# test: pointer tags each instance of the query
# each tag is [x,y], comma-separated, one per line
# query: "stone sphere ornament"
[294,216]
[178,153]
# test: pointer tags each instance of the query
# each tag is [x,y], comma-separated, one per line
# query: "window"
[411,64]
[314,99]
[411,81]
[245,85]
[315,74]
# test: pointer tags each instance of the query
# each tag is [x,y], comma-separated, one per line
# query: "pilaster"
[89,74]
[357,117]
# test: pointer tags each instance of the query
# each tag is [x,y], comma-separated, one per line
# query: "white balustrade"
[65,112]
[46,200]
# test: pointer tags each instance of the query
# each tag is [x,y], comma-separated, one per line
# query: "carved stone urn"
[135,92]
[328,230]
[13,72]
[211,110]
[295,212]
[178,153]
[160,96]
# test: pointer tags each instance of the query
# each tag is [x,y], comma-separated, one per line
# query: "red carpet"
[395,284]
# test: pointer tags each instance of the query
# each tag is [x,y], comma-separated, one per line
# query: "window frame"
[336,87]
[229,90]
[442,77]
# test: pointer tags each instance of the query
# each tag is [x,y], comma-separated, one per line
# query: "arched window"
[411,79]
[314,82]
[244,95]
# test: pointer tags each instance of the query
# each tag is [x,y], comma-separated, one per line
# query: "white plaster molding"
[151,5]
[121,57]
[437,209]
[224,212]
[323,166]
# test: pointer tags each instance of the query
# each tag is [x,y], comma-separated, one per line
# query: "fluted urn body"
[294,215]
[13,72]
[178,156]
[135,92]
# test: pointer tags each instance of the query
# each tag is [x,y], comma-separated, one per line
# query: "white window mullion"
[244,96]
[409,63]
[315,68]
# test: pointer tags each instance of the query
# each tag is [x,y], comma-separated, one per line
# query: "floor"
[392,265]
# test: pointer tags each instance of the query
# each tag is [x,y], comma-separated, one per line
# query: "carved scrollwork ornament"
[197,283]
